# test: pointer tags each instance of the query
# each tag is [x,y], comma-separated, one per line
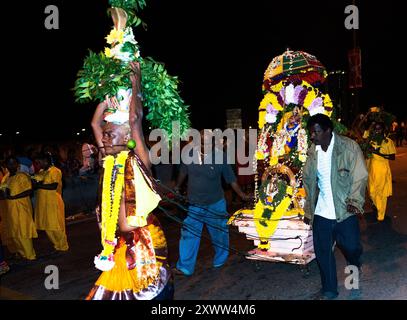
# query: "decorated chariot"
[293,91]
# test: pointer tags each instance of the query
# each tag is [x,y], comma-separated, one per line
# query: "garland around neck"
[113,182]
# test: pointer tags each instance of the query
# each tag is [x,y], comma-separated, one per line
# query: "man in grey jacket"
[335,179]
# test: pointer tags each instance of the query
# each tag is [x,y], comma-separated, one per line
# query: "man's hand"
[246,197]
[354,210]
[8,195]
[376,151]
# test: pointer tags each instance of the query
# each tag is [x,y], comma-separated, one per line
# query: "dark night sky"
[218,49]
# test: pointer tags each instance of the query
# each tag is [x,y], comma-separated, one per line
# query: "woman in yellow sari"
[49,206]
[18,224]
[379,183]
[3,175]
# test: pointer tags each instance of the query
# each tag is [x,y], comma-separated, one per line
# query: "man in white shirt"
[335,178]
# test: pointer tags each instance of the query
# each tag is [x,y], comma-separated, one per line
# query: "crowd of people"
[31,186]
[398,133]
[20,217]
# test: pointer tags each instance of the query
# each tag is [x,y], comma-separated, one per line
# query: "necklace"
[113,182]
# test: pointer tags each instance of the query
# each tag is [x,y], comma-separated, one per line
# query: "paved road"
[384,276]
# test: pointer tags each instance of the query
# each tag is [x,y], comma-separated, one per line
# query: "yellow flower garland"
[266,231]
[108,52]
[111,207]
[115,36]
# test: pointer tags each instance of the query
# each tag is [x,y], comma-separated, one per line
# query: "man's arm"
[386,156]
[307,206]
[23,194]
[136,116]
[96,124]
[123,225]
[356,198]
[230,178]
[235,186]
[49,186]
[180,179]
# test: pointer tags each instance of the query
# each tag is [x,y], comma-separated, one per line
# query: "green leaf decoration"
[161,97]
[103,76]
[100,76]
[339,127]
[267,213]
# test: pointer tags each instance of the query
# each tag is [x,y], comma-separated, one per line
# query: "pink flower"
[316,103]
[297,92]
[270,109]
[316,106]
[281,96]
[301,96]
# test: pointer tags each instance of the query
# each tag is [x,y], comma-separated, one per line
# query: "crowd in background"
[81,158]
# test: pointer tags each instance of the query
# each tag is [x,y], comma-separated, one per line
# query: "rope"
[185,199]
[221,229]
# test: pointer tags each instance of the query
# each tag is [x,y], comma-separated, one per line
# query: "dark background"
[218,49]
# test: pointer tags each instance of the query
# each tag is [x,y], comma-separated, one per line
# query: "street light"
[83,129]
[18,132]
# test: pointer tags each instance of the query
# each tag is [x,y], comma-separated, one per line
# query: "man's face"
[318,136]
[115,138]
[206,138]
[12,166]
[378,129]
[43,163]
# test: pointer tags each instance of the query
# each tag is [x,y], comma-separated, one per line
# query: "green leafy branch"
[160,91]
[100,76]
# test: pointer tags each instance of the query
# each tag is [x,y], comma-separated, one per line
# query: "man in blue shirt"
[207,206]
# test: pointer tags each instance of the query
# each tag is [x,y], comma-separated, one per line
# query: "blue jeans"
[347,236]
[211,215]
